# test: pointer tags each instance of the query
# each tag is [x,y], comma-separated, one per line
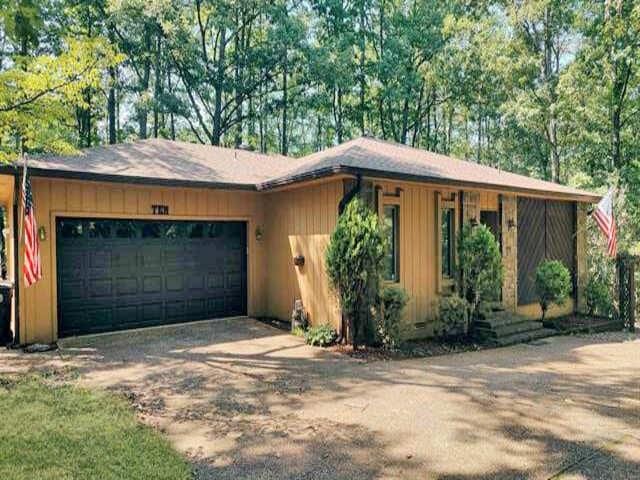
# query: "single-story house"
[156,232]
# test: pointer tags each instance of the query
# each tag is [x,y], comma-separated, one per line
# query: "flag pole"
[24,181]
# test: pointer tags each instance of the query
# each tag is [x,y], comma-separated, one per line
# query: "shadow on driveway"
[245,400]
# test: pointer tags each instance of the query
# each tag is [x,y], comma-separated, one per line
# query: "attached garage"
[119,274]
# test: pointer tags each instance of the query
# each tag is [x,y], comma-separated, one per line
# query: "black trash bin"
[6,290]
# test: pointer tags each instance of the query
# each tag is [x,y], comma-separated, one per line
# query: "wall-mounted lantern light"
[259,233]
[298,260]
[511,224]
[42,234]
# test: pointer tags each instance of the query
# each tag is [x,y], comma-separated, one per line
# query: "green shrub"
[355,262]
[320,335]
[453,313]
[298,332]
[598,298]
[553,284]
[394,299]
[480,266]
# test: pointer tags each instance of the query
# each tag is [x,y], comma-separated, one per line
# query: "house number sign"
[160,209]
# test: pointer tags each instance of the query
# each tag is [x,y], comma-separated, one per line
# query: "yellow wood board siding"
[58,197]
[489,201]
[419,256]
[533,310]
[300,222]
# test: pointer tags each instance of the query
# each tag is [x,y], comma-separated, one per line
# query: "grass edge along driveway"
[51,430]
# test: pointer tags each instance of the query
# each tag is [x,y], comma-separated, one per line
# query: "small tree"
[480,266]
[553,284]
[355,262]
[393,300]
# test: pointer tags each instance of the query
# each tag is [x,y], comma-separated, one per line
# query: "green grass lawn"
[50,431]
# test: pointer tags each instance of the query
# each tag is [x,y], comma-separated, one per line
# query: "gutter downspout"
[350,194]
[341,206]
[16,263]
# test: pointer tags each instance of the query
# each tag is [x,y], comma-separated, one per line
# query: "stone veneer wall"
[510,252]
[581,255]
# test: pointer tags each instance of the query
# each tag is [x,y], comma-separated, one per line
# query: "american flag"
[32,268]
[603,215]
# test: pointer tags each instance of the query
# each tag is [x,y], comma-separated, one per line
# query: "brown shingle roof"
[378,158]
[169,161]
[165,161]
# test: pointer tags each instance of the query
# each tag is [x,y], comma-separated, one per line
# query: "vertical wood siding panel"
[117,200]
[104,198]
[74,196]
[89,198]
[144,201]
[202,203]
[212,203]
[58,195]
[131,200]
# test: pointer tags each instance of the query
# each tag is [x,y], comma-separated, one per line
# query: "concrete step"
[523,337]
[508,329]
[500,319]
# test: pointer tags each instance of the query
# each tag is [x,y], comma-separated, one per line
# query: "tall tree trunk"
[238,41]
[111,99]
[284,145]
[362,79]
[172,120]
[219,86]
[144,87]
[157,91]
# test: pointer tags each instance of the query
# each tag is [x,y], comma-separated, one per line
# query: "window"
[99,228]
[70,228]
[392,261]
[447,242]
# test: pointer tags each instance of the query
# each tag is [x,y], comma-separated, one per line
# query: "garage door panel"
[152,311]
[127,286]
[115,274]
[175,283]
[195,282]
[125,315]
[175,310]
[100,288]
[72,289]
[216,280]
[100,259]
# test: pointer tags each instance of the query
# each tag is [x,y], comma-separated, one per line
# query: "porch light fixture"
[42,234]
[259,233]
[298,260]
[510,223]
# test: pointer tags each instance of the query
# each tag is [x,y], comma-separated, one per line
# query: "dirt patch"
[145,404]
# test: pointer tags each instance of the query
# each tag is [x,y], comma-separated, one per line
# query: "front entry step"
[503,328]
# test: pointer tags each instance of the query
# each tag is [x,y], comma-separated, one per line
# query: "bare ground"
[244,400]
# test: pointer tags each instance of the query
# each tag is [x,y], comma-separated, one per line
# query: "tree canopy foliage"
[548,88]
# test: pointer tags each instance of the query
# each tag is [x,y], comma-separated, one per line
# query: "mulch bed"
[413,349]
[585,324]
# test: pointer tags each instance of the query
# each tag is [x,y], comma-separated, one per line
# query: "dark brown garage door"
[119,274]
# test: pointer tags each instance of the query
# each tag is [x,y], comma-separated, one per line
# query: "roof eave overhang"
[372,173]
[99,177]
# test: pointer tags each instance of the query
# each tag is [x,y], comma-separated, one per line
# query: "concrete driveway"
[244,400]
